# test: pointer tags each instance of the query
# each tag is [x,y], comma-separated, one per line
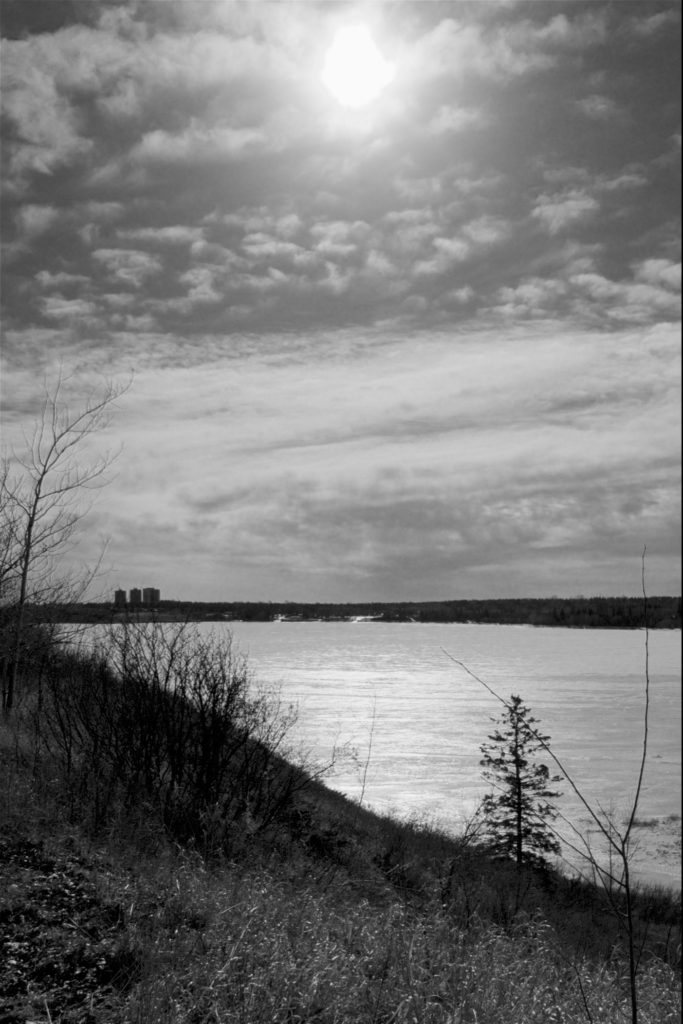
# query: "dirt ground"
[63,946]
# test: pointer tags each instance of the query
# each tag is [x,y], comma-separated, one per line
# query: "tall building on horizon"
[148,596]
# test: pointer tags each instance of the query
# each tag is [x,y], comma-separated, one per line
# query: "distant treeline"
[576,612]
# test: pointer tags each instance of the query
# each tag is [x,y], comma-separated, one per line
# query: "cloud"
[339,239]
[129,266]
[202,282]
[557,212]
[652,24]
[660,272]
[409,233]
[199,144]
[630,178]
[46,133]
[172,234]
[578,33]
[535,296]
[457,49]
[118,300]
[58,308]
[487,230]
[46,279]
[636,301]
[650,292]
[598,108]
[505,52]
[449,251]
[452,120]
[35,219]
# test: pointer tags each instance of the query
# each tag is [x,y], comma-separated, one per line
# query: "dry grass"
[333,916]
[284,939]
[255,947]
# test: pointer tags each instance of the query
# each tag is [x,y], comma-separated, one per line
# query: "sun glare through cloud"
[355,70]
[399,286]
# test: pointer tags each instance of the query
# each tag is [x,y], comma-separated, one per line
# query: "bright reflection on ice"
[584,686]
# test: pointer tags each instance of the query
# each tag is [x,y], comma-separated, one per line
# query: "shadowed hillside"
[165,856]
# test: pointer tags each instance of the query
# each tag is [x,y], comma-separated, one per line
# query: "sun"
[355,71]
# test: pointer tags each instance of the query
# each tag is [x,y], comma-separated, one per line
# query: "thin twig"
[367,759]
[646,710]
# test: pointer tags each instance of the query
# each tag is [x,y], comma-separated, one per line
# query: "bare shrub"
[169,719]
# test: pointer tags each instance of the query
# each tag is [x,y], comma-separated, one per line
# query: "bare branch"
[40,507]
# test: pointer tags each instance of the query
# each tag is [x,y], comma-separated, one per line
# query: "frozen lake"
[416,720]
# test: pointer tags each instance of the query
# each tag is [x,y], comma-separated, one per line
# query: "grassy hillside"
[125,897]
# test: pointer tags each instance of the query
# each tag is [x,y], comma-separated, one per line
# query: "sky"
[423,347]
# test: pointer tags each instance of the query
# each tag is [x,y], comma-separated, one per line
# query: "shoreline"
[171,618]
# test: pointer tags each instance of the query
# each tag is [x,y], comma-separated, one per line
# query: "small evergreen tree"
[517,814]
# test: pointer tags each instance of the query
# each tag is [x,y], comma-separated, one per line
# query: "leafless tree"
[42,501]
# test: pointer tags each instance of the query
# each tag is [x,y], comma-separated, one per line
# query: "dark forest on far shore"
[575,612]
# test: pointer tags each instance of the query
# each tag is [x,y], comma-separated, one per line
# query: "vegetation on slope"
[276,899]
